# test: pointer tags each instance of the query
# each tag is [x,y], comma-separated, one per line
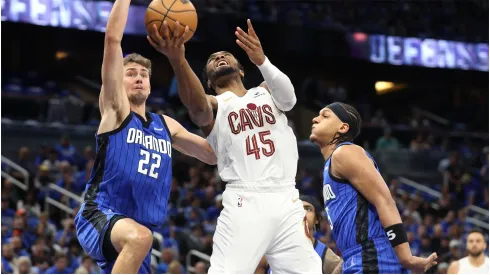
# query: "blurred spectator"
[7,258]
[23,265]
[418,143]
[200,268]
[66,150]
[175,267]
[87,266]
[168,256]
[387,142]
[52,163]
[60,266]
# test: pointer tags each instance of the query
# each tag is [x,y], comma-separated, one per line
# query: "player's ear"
[344,128]
[242,74]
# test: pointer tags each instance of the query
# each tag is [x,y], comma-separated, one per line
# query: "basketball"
[171,11]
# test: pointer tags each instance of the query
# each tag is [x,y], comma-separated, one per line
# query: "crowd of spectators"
[38,239]
[454,20]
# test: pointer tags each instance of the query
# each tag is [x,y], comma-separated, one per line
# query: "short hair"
[476,230]
[138,59]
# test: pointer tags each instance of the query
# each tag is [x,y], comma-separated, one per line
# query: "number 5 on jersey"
[143,163]
[253,148]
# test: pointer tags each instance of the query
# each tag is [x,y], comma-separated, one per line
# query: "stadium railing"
[198,254]
[422,188]
[51,202]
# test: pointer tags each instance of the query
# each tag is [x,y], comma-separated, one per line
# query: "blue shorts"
[92,224]
[375,257]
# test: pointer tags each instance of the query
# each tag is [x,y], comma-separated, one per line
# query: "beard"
[475,254]
[222,72]
[137,99]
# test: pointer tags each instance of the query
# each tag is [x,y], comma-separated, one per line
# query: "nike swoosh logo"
[158,129]
[295,200]
[225,100]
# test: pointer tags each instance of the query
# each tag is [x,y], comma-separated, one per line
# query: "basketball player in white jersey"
[257,157]
[476,262]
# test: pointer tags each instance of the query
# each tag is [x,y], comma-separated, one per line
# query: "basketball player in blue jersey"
[331,263]
[127,194]
[363,217]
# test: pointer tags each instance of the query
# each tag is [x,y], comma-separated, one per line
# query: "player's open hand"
[171,46]
[420,265]
[250,43]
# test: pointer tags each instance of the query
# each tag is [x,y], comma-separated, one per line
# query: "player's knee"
[141,239]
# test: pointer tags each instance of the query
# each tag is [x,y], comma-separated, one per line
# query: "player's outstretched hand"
[250,43]
[172,47]
[420,265]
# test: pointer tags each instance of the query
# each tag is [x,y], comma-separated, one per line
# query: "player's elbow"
[112,39]
[384,201]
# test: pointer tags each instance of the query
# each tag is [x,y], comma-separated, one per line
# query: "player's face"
[310,215]
[136,82]
[475,244]
[220,67]
[325,126]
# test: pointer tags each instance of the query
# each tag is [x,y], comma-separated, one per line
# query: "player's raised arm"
[189,143]
[276,82]
[191,91]
[352,163]
[112,95]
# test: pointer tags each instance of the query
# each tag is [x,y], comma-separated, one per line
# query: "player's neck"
[477,261]
[140,110]
[327,150]
[233,86]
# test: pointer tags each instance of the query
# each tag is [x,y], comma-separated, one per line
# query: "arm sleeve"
[280,86]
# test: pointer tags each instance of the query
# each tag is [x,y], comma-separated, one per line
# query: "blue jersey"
[355,226]
[132,173]
[320,248]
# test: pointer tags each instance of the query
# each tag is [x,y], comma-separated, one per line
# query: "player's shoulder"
[348,150]
[454,267]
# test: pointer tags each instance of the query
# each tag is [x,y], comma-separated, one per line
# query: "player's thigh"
[243,233]
[127,232]
[293,251]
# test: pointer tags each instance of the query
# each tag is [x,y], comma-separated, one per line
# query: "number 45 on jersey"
[267,145]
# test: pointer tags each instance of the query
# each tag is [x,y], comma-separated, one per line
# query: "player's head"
[136,81]
[313,212]
[475,243]
[336,123]
[221,68]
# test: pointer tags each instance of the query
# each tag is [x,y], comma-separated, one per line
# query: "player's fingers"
[244,40]
[155,35]
[251,29]
[183,36]
[243,46]
[166,31]
[152,43]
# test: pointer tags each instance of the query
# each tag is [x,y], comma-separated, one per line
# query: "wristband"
[396,234]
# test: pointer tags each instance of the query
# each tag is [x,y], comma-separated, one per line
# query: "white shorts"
[254,223]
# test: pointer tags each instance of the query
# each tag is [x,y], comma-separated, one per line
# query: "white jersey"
[465,267]
[252,140]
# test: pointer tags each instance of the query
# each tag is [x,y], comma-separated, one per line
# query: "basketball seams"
[165,16]
[179,22]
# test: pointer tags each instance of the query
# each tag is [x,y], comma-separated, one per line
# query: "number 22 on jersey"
[144,162]
[267,147]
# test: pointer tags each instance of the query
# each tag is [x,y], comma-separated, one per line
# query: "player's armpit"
[352,163]
[331,262]
[338,268]
[453,268]
[190,144]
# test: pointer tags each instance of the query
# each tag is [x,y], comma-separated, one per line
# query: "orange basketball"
[172,11]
